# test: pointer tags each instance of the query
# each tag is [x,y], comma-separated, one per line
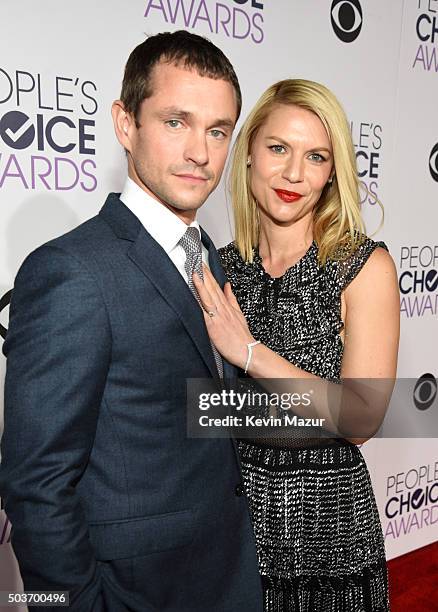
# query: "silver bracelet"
[250,346]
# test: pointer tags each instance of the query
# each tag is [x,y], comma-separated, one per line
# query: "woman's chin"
[283,217]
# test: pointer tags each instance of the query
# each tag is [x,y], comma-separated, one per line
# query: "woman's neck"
[280,247]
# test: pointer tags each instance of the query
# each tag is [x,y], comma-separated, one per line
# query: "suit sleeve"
[58,350]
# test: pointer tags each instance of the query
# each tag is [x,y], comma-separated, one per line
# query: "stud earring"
[248,162]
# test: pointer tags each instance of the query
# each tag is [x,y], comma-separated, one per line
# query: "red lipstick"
[288,196]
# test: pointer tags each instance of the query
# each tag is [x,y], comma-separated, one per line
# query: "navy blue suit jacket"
[107,496]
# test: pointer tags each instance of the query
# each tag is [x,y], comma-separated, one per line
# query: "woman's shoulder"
[227,251]
[234,266]
[230,257]
[373,253]
[363,247]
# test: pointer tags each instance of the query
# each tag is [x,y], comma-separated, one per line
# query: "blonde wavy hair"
[338,228]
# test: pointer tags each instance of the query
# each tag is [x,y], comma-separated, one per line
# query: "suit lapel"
[155,264]
[230,372]
[218,273]
[153,261]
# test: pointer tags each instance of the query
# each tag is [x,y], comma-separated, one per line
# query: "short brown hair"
[181,47]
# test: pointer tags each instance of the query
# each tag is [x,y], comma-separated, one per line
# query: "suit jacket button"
[239,490]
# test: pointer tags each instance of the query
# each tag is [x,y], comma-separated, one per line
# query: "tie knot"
[191,241]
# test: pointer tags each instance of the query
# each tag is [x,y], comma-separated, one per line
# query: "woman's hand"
[226,325]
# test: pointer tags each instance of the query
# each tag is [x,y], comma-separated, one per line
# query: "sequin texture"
[319,540]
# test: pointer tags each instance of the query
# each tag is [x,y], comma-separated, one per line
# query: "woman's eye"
[317,157]
[277,148]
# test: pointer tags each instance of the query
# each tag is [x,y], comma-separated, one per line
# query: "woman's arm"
[372,320]
[370,353]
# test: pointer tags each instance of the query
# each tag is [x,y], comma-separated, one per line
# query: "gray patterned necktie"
[191,243]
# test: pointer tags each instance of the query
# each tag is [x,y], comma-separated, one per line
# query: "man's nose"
[196,150]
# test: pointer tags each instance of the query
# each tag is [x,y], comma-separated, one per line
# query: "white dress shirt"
[163,225]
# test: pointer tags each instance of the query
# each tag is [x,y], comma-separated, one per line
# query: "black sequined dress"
[318,534]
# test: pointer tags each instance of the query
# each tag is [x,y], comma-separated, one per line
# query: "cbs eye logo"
[4,302]
[425,391]
[433,163]
[346,16]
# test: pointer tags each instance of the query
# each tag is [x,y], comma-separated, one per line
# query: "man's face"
[178,153]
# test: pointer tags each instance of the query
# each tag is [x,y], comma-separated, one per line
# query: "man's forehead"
[190,88]
[171,72]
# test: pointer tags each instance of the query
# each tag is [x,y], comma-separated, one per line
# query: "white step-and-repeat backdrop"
[61,65]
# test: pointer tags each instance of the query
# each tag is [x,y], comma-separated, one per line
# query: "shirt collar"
[162,224]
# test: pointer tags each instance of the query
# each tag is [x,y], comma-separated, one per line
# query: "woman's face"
[291,161]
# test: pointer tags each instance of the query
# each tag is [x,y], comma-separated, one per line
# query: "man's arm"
[58,349]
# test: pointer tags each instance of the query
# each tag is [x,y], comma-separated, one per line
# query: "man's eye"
[218,134]
[173,123]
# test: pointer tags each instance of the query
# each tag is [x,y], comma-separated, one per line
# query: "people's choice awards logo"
[346,16]
[240,19]
[425,391]
[426,28]
[368,143]
[418,280]
[16,130]
[4,303]
[433,163]
[411,500]
[47,129]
